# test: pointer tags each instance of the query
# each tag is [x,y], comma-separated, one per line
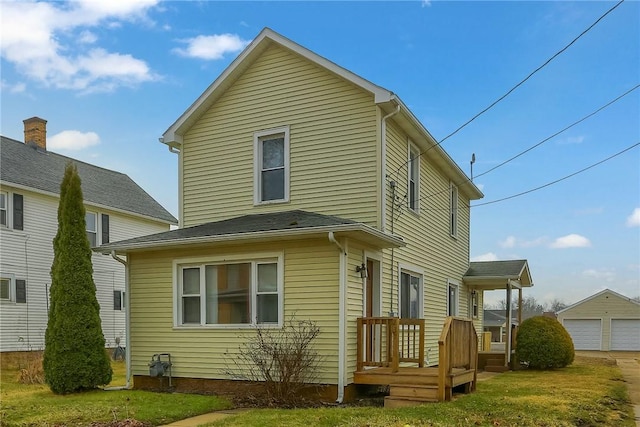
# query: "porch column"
[507,345]
[519,306]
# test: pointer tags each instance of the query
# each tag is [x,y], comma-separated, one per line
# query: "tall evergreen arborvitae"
[74,356]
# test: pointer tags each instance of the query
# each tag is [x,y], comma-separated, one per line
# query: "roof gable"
[596,295]
[266,38]
[24,166]
[517,270]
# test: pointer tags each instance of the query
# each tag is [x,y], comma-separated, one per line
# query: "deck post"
[421,345]
[395,334]
[359,362]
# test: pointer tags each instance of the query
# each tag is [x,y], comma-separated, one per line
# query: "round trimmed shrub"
[543,343]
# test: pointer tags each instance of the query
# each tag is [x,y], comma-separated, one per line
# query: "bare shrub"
[30,368]
[282,359]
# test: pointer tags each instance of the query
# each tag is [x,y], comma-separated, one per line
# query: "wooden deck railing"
[388,341]
[458,349]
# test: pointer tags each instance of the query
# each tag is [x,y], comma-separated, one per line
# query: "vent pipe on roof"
[35,132]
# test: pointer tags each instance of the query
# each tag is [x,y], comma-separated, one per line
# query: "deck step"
[495,362]
[414,391]
[402,402]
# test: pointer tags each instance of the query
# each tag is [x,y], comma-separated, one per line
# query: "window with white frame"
[453,210]
[4,217]
[410,294]
[5,288]
[91,218]
[118,300]
[413,189]
[473,304]
[230,293]
[452,298]
[271,151]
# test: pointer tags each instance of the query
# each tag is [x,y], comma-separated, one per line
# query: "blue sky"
[111,77]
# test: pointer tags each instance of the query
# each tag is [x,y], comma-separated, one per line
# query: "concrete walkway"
[206,418]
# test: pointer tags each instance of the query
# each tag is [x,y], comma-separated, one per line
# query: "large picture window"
[271,150]
[410,295]
[231,293]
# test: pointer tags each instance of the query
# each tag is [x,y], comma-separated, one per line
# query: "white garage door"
[625,334]
[586,333]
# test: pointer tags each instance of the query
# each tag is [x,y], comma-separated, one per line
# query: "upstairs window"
[414,178]
[3,209]
[92,228]
[238,293]
[271,151]
[453,210]
[410,294]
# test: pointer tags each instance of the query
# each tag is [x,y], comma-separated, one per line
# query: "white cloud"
[633,220]
[426,3]
[211,47]
[571,241]
[489,256]
[73,140]
[573,140]
[45,42]
[509,242]
[603,274]
[13,88]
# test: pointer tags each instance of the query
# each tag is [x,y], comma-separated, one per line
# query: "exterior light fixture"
[362,269]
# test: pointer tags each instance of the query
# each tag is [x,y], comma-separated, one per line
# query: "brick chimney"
[35,132]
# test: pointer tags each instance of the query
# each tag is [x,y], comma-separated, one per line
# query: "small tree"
[74,354]
[543,343]
[283,360]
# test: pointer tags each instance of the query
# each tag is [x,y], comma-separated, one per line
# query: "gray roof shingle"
[27,166]
[247,224]
[511,268]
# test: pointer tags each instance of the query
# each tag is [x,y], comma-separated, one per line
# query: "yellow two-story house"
[307,191]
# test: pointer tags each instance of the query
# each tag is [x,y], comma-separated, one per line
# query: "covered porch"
[390,351]
[510,276]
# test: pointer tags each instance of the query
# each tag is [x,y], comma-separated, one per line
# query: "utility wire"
[557,180]
[559,132]
[613,101]
[517,85]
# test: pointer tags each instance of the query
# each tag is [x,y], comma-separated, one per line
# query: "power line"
[613,101]
[517,85]
[557,180]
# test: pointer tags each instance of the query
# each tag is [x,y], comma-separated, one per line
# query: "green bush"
[543,343]
[74,356]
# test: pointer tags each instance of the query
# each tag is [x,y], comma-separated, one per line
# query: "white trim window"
[7,287]
[271,165]
[413,178]
[453,210]
[4,208]
[91,219]
[453,294]
[410,295]
[230,293]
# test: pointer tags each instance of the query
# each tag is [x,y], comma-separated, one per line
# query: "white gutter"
[127,326]
[383,168]
[342,332]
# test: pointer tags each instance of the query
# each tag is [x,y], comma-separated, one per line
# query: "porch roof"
[295,224]
[490,275]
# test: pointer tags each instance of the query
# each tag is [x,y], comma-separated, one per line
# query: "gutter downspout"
[127,326]
[383,168]
[342,334]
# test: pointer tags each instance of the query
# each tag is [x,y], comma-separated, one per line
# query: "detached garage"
[604,321]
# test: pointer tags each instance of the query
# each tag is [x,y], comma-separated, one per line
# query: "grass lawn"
[36,405]
[588,393]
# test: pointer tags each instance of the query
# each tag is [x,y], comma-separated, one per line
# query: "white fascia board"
[262,41]
[390,240]
[86,203]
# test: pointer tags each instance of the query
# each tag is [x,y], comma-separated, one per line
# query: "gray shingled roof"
[249,225]
[512,269]
[42,170]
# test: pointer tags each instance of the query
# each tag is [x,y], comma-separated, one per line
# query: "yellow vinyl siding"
[310,292]
[429,245]
[333,143]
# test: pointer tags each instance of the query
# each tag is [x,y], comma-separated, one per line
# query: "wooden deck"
[391,353]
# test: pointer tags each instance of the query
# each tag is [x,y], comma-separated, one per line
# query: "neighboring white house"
[604,321]
[117,208]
